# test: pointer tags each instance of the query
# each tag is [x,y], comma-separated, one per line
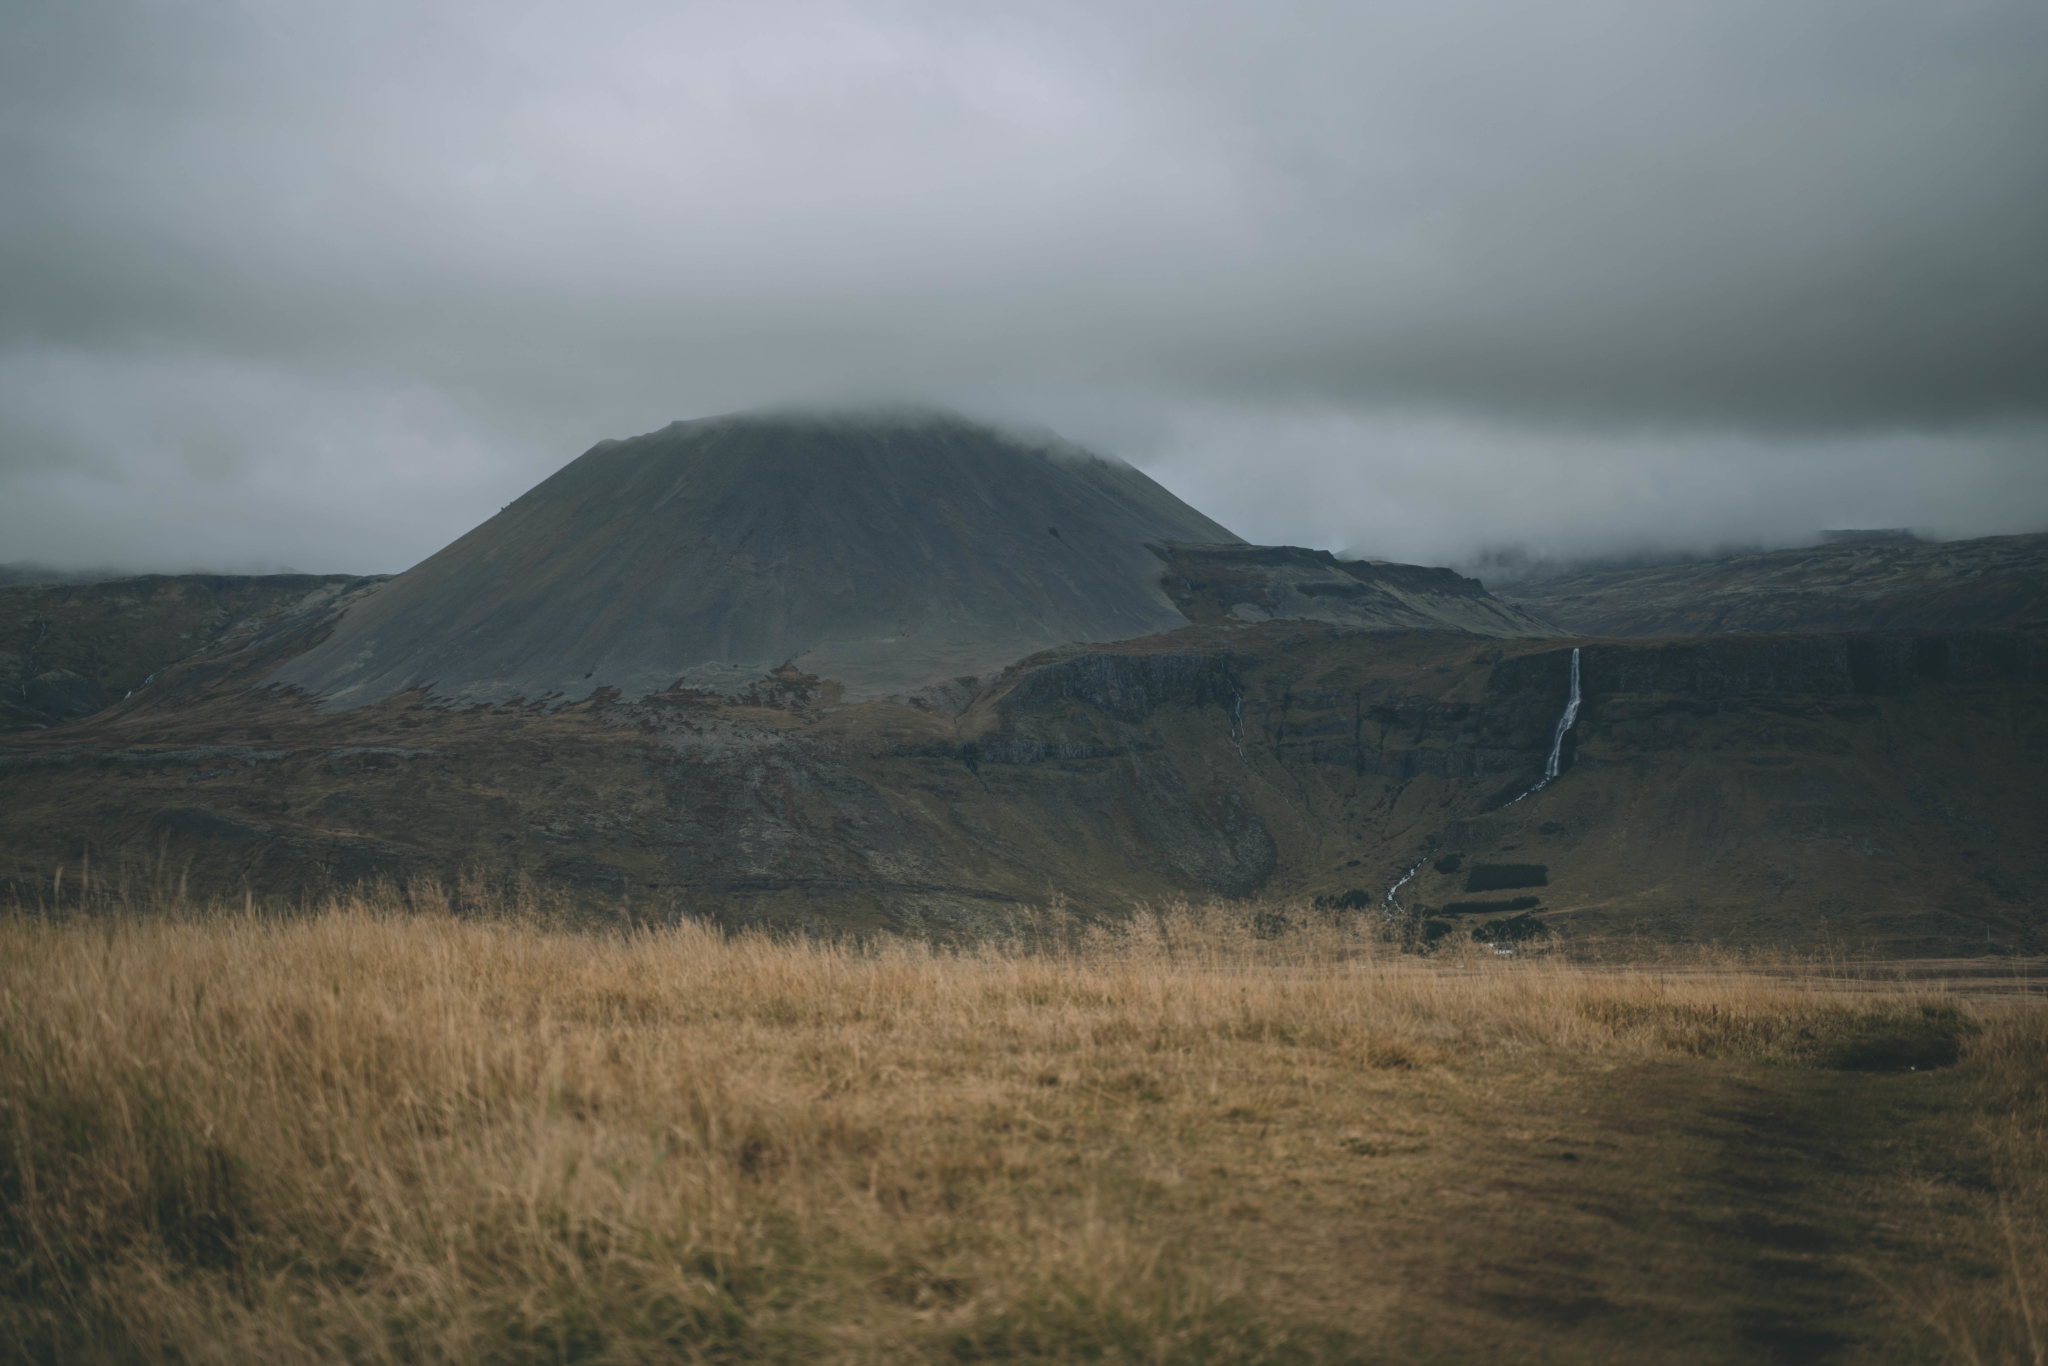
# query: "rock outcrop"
[1249,583]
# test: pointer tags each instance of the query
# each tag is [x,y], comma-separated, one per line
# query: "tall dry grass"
[373,1130]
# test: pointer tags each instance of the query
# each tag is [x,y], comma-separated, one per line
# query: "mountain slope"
[69,649]
[1218,583]
[883,552]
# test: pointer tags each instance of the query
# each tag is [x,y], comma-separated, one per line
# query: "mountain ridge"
[1988,583]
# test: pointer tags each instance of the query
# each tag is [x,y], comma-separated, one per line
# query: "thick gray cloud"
[327,284]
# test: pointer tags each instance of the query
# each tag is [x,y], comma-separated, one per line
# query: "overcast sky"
[326,284]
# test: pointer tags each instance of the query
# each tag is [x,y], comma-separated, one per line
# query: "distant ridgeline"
[1892,535]
[1887,580]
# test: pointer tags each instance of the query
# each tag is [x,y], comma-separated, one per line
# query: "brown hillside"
[68,650]
[1862,788]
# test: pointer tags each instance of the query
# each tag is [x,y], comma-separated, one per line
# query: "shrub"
[1930,1037]
[1449,863]
[1269,924]
[1514,930]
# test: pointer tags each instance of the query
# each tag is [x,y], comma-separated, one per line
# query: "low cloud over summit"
[330,285]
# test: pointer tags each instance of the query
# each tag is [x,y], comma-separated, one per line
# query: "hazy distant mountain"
[1870,581]
[1893,535]
[27,573]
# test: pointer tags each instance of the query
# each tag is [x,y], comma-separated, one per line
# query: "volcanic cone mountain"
[882,551]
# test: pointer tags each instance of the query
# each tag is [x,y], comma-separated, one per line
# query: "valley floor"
[384,1132]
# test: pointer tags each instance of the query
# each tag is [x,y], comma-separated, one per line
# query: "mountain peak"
[886,548]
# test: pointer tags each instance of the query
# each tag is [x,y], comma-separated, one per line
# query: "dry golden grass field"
[377,1130]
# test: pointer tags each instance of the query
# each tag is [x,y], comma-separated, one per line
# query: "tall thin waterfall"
[1564,725]
[1552,765]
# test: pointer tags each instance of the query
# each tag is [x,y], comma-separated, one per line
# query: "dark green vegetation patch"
[1900,1037]
[1908,1041]
[1498,877]
[1516,929]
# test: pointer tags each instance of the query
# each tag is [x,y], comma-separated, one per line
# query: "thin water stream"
[1553,764]
[1564,725]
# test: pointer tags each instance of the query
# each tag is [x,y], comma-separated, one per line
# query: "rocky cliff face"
[1878,787]
[1251,583]
[1845,665]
